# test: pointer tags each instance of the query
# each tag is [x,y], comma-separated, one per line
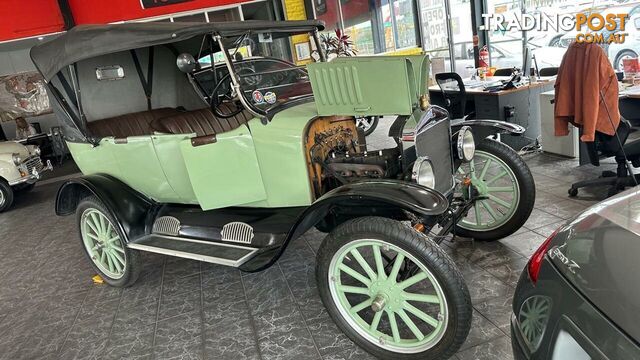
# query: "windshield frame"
[264,115]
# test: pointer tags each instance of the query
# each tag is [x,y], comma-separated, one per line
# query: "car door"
[223,169]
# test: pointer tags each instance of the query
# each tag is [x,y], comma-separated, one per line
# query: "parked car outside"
[503,55]
[578,297]
[20,168]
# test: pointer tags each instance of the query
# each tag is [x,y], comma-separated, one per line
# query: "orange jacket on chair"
[584,73]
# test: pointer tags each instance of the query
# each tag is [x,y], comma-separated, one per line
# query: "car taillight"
[533,267]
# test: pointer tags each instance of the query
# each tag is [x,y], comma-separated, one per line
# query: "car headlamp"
[423,173]
[37,151]
[17,160]
[466,144]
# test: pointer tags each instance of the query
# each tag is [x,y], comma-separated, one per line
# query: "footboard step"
[216,253]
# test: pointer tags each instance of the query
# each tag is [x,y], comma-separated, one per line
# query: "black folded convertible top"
[87,41]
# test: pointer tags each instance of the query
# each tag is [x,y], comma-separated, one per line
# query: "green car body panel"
[352,86]
[268,162]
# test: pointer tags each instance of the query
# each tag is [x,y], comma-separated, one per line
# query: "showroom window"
[548,46]
[436,32]
[374,26]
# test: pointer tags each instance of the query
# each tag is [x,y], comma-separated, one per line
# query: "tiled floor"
[184,309]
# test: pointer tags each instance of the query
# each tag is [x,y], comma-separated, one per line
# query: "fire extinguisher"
[483,59]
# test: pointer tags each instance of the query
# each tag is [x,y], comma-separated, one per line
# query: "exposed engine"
[338,156]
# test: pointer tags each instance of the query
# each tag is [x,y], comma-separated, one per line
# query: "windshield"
[264,65]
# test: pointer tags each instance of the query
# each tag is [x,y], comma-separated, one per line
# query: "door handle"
[362,109]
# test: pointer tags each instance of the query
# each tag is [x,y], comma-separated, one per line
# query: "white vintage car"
[20,168]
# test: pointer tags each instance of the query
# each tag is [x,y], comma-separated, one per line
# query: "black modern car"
[579,296]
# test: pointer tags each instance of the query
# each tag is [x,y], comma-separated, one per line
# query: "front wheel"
[504,189]
[6,195]
[392,290]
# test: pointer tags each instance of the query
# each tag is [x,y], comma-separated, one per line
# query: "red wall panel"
[21,19]
[108,11]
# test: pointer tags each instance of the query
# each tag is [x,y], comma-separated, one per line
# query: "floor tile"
[179,304]
[508,272]
[179,337]
[229,332]
[483,286]
[498,311]
[525,243]
[267,290]
[283,334]
[499,348]
[482,330]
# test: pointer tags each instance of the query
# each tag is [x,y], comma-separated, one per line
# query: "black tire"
[133,261]
[373,124]
[527,187]
[622,54]
[428,254]
[6,195]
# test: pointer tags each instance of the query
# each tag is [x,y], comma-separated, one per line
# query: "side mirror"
[186,63]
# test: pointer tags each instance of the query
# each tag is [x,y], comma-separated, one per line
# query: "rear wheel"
[392,290]
[104,244]
[505,188]
[6,195]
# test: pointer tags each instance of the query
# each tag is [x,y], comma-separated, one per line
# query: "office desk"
[525,101]
[629,106]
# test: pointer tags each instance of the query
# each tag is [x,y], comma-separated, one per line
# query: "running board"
[216,253]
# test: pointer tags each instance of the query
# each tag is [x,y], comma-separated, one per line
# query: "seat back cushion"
[201,122]
[134,124]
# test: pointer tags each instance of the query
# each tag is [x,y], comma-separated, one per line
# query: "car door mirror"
[186,63]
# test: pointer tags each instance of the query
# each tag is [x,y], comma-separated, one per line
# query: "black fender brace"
[484,128]
[374,195]
[130,208]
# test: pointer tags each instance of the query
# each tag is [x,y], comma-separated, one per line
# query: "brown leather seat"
[134,124]
[201,122]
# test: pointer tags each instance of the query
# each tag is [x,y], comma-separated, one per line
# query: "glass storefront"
[374,27]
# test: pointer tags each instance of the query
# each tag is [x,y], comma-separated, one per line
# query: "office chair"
[630,110]
[36,126]
[550,71]
[608,146]
[454,94]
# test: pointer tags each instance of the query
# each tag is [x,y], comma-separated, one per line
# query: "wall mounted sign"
[146,4]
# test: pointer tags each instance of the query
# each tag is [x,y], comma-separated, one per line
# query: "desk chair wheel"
[573,192]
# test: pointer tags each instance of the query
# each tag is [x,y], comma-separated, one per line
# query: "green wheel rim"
[102,242]
[403,315]
[497,183]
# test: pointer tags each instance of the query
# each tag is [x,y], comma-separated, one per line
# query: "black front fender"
[483,128]
[370,195]
[126,205]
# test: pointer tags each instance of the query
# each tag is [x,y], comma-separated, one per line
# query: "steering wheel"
[228,95]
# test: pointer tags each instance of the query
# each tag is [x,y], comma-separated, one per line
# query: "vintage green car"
[204,141]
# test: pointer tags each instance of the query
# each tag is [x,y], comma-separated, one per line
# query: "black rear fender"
[129,207]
